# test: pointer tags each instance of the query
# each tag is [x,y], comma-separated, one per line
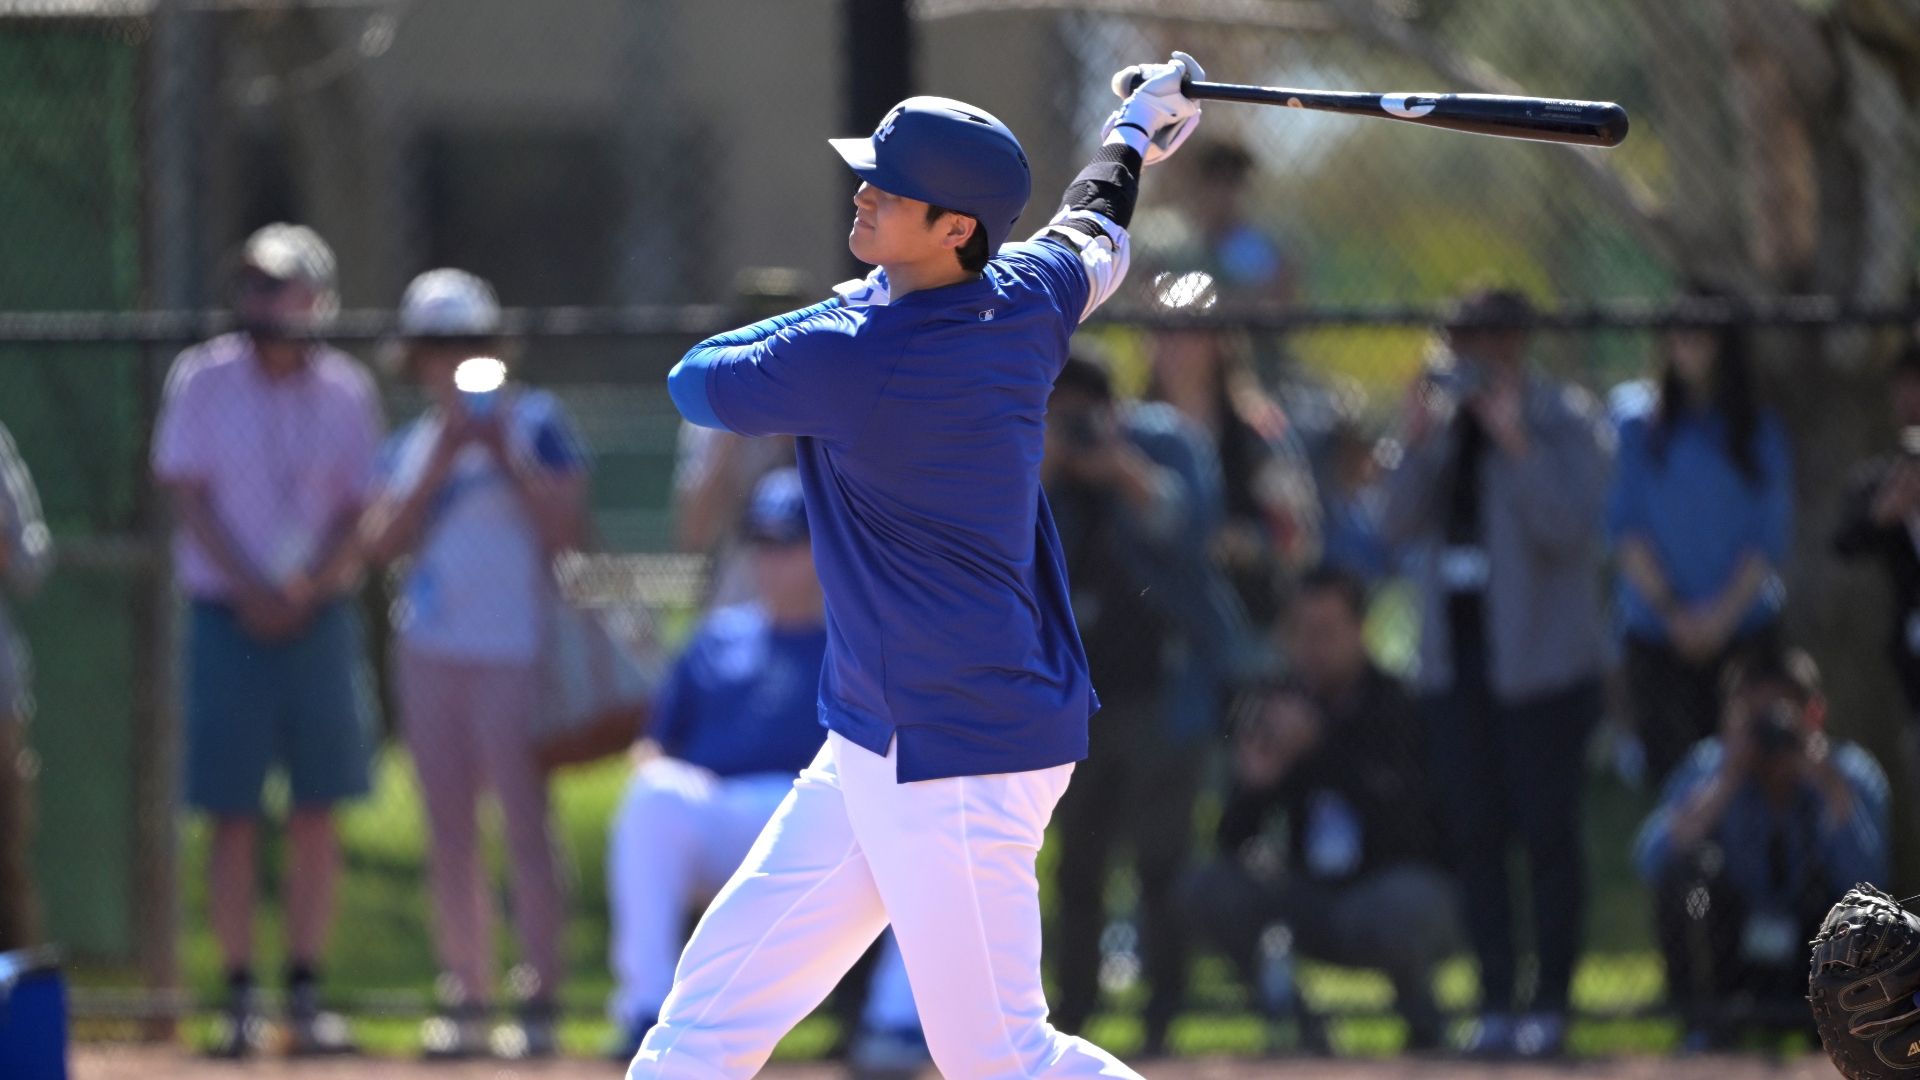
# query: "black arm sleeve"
[1109,185]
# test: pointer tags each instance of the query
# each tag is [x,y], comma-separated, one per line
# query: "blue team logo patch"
[987,315]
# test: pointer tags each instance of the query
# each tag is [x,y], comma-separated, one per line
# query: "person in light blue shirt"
[955,689]
[1755,834]
[1699,517]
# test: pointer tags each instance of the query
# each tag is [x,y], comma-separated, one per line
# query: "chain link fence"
[611,168]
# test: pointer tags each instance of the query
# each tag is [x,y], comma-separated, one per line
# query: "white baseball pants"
[949,862]
[679,834]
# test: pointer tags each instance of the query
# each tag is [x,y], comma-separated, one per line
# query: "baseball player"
[955,689]
[735,719]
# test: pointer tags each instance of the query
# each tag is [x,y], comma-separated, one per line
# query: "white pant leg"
[655,853]
[783,930]
[954,861]
[742,806]
[889,1005]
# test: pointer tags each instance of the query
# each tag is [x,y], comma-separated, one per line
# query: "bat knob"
[1129,79]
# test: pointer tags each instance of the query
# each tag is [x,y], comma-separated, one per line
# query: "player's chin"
[860,242]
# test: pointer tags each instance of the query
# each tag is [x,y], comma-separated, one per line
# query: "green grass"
[382,949]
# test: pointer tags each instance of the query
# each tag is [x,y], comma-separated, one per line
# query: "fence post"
[173,280]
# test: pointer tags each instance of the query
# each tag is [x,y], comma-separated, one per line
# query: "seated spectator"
[1339,752]
[734,722]
[1699,517]
[1756,833]
[481,492]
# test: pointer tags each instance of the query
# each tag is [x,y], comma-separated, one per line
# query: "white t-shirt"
[477,585]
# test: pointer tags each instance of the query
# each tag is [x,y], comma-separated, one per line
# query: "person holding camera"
[1336,752]
[1881,522]
[1497,501]
[1700,516]
[1757,830]
[478,494]
[1135,494]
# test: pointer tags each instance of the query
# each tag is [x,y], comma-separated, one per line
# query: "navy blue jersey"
[921,427]
[740,699]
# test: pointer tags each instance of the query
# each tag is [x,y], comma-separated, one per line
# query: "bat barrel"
[1585,123]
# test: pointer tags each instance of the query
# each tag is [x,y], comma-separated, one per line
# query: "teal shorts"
[302,704]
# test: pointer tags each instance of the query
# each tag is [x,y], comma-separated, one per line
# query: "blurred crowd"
[1265,783]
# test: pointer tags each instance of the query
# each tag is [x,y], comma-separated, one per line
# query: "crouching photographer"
[1756,832]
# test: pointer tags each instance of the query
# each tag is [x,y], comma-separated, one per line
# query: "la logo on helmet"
[886,126]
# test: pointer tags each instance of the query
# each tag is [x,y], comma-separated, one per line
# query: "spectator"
[1499,498]
[1755,834]
[266,441]
[480,492]
[1352,498]
[714,471]
[1135,493]
[1337,751]
[1699,518]
[26,553]
[1272,525]
[1213,231]
[734,722]
[1882,521]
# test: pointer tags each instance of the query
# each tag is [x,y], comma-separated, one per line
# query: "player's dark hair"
[1733,392]
[973,254]
[1342,583]
[1774,666]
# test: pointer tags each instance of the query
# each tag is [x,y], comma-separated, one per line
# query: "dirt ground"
[97,1062]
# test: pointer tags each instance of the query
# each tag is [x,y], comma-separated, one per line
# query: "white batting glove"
[1156,118]
[869,291]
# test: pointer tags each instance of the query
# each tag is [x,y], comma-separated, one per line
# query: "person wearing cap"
[734,721]
[1498,502]
[955,688]
[265,441]
[479,493]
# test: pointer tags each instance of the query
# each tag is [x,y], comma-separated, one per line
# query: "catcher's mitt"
[1866,969]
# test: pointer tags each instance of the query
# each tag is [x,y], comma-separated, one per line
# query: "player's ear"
[956,230]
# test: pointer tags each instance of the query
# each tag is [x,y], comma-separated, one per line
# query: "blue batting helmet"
[950,154]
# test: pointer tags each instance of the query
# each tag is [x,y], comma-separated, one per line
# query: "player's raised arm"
[1146,129]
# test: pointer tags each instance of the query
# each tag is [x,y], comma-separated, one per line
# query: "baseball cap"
[950,154]
[449,303]
[290,253]
[777,511]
